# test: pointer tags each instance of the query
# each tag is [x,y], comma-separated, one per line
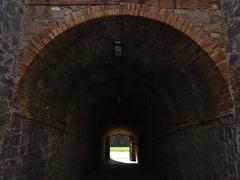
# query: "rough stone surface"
[205,152]
[173,95]
[185,98]
[210,19]
[184,4]
[231,11]
[11,13]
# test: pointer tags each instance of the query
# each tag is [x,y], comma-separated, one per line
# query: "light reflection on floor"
[122,157]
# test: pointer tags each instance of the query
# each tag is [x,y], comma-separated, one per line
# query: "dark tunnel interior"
[118,72]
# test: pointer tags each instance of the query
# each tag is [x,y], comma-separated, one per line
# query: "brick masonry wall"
[210,19]
[11,14]
[36,18]
[225,151]
[206,152]
[209,23]
[48,154]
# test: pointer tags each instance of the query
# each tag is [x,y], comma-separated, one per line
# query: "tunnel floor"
[122,157]
[119,171]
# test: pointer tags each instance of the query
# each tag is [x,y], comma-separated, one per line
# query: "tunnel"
[121,72]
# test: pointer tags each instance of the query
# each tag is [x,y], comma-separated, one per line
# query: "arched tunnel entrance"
[121,71]
[129,142]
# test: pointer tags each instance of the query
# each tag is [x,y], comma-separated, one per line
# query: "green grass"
[121,149]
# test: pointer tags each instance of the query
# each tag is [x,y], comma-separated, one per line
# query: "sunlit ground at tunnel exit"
[122,157]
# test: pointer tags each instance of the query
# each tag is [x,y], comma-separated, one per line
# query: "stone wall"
[11,14]
[42,145]
[45,150]
[49,153]
[206,152]
[225,151]
[231,11]
[48,75]
[184,4]
[209,19]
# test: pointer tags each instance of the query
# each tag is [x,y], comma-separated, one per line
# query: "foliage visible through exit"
[120,149]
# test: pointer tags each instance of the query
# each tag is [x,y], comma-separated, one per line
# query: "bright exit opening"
[122,149]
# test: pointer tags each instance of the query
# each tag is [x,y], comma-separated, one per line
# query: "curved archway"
[53,30]
[68,88]
[121,131]
[60,26]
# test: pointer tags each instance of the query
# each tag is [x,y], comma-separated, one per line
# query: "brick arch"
[54,29]
[125,131]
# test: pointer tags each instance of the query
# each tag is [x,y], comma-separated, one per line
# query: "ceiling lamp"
[118,48]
